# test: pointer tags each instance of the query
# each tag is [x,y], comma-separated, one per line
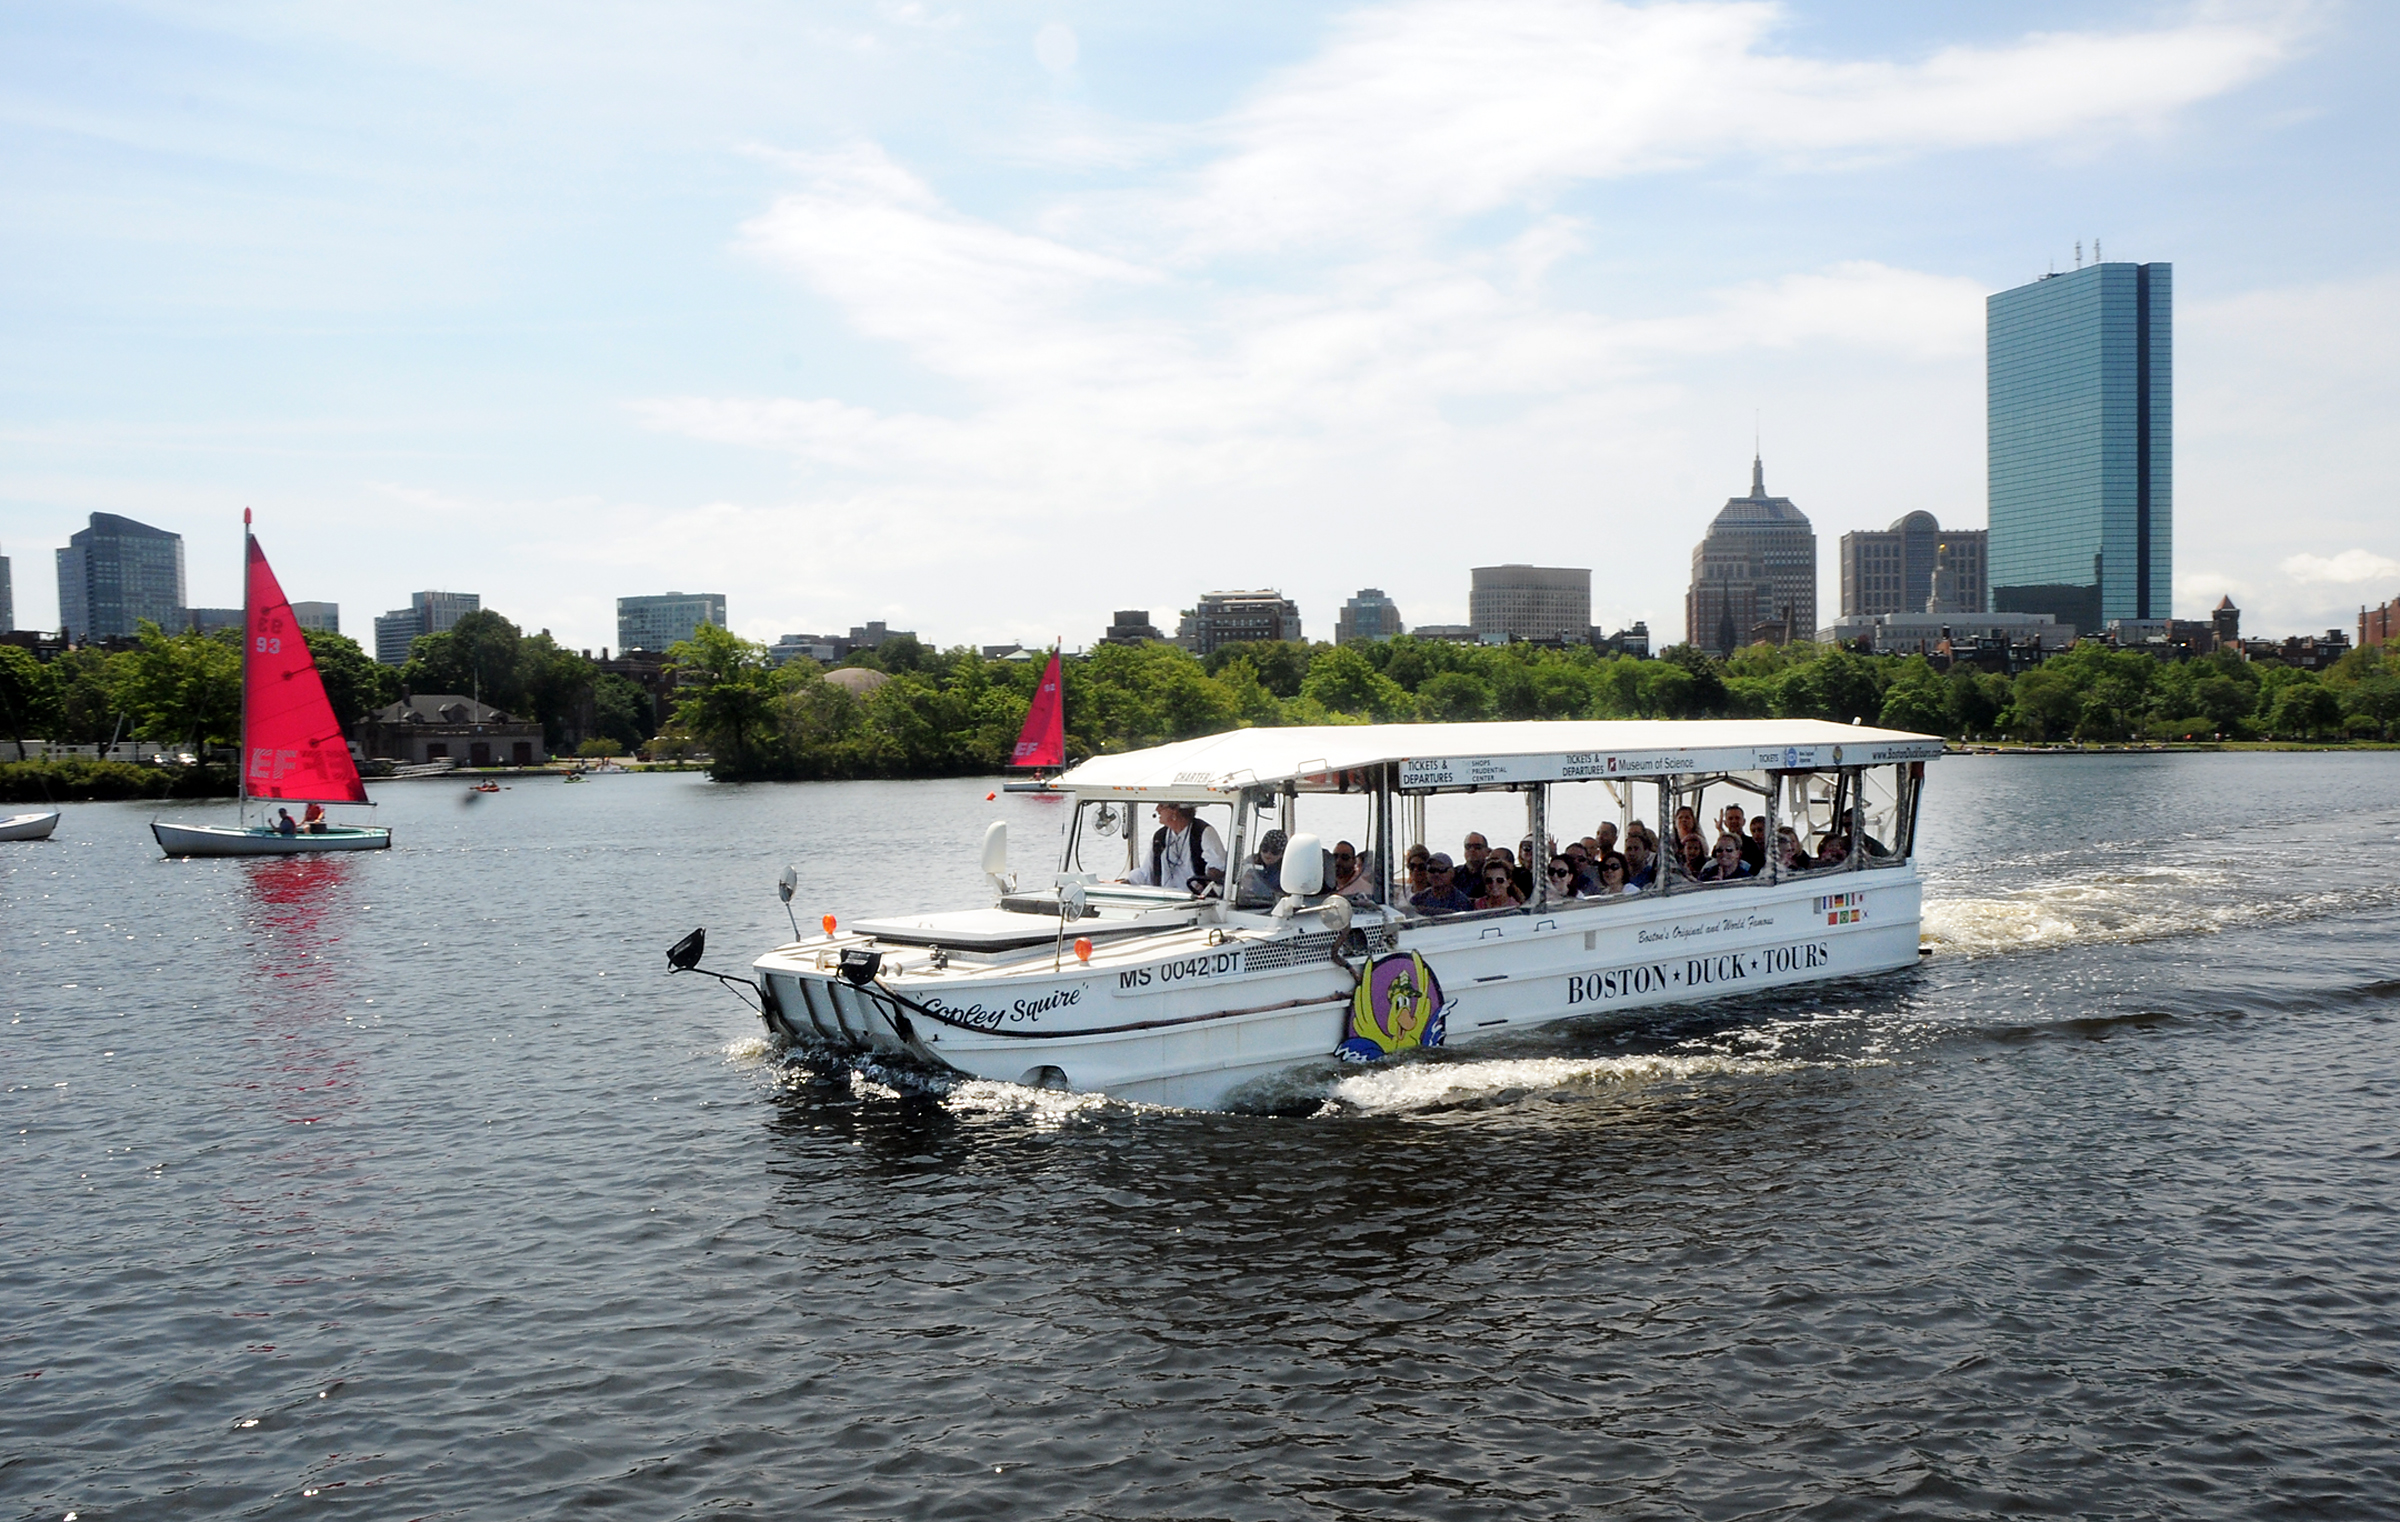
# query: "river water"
[405,1185]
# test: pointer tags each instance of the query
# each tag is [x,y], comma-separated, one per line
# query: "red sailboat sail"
[1044,740]
[291,746]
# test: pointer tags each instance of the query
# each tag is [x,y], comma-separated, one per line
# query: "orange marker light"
[829,924]
[1083,948]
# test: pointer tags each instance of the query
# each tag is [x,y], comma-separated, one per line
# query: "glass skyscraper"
[114,574]
[2080,391]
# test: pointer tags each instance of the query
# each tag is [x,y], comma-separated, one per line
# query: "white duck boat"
[1149,993]
[28,826]
[292,746]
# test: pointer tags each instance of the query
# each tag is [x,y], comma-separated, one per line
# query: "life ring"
[1397,1007]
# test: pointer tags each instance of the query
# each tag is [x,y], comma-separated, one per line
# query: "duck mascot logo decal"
[1398,1006]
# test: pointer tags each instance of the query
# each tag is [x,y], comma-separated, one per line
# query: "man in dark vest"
[1184,853]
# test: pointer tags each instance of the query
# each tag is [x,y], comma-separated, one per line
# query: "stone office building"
[1754,573]
[1893,571]
[1534,602]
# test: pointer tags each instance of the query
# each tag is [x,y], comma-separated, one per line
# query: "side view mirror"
[1304,866]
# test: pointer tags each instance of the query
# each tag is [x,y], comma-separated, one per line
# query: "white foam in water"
[749,1051]
[1048,1108]
[2102,907]
[1421,1085]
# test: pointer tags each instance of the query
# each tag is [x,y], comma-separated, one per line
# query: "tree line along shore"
[954,712]
[944,713]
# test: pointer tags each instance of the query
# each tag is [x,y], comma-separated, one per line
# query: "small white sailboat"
[1043,741]
[28,826]
[292,747]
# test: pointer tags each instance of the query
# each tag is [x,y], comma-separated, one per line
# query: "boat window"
[1886,814]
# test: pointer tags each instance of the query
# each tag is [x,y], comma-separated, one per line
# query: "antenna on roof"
[2079,253]
[2095,248]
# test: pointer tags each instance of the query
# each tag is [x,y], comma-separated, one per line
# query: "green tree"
[555,687]
[1342,681]
[1976,700]
[29,703]
[477,656]
[622,712]
[354,683]
[181,688]
[726,704]
[2305,710]
[1454,697]
[87,706]
[1917,700]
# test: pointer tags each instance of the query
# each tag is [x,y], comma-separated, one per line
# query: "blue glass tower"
[2080,391]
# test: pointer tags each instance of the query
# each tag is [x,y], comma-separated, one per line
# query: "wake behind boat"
[292,747]
[1148,986]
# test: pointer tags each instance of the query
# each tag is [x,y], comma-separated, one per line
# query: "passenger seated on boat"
[312,819]
[1499,886]
[1687,827]
[1184,853]
[1471,855]
[1833,851]
[1350,878]
[1562,878]
[1613,872]
[1691,857]
[1442,897]
[1641,862]
[285,824]
[1262,880]
[1419,862]
[1604,838]
[1587,882]
[1727,863]
[1788,855]
[1754,851]
[1517,874]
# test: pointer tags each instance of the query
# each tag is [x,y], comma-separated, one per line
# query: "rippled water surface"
[404,1185]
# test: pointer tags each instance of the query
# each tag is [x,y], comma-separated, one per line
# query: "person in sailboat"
[1184,853]
[285,824]
[312,819]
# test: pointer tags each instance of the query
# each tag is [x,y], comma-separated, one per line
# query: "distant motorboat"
[292,747]
[28,826]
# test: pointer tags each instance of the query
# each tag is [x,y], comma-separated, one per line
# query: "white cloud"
[1423,113]
[1133,366]
[2348,568]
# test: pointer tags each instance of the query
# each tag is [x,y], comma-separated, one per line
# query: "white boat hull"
[225,840]
[1173,1019]
[28,826]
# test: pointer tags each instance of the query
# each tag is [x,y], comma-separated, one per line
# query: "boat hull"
[29,826]
[1183,1020]
[223,840]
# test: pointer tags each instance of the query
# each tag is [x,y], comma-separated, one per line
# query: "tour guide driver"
[1184,853]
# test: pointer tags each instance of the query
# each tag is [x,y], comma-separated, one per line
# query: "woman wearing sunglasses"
[1613,876]
[1564,881]
[1499,890]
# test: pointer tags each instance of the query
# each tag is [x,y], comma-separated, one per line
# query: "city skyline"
[874,311]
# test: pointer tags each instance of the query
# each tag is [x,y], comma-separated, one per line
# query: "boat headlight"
[859,966]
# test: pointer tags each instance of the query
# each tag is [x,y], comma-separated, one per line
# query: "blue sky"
[988,320]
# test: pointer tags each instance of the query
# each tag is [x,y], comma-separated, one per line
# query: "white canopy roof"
[1436,756]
